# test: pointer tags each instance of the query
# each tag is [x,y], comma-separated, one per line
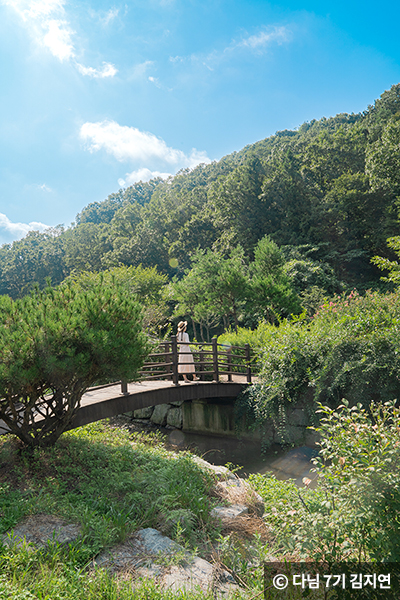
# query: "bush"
[353,514]
[56,343]
[350,349]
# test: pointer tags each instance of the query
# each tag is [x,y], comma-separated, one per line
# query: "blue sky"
[97,95]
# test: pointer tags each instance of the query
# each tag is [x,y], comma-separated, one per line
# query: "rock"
[238,491]
[148,553]
[174,417]
[41,529]
[143,413]
[159,415]
[177,403]
[220,472]
[3,427]
[229,512]
[294,463]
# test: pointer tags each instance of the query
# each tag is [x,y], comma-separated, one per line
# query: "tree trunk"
[194,329]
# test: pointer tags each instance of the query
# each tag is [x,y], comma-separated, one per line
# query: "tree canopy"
[333,183]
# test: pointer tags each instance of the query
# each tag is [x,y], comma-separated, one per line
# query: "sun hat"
[182,325]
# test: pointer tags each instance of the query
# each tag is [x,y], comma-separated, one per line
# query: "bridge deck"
[107,402]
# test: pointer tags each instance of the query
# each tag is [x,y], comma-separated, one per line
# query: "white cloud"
[139,70]
[47,23]
[131,144]
[110,16]
[159,85]
[143,174]
[44,188]
[108,70]
[58,39]
[265,38]
[176,59]
[15,231]
[104,17]
[258,43]
[37,9]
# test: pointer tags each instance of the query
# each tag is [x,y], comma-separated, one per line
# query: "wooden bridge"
[223,372]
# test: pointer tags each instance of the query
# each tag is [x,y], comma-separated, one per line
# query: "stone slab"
[220,471]
[143,413]
[150,554]
[238,491]
[41,529]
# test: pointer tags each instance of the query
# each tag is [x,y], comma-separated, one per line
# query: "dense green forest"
[327,194]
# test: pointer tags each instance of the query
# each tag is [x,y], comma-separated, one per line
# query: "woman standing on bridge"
[185,360]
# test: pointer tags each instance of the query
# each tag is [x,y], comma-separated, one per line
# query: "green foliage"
[103,212]
[383,158]
[333,184]
[255,337]
[32,260]
[233,288]
[215,285]
[56,343]
[350,349]
[147,286]
[390,265]
[85,245]
[270,293]
[353,514]
[237,204]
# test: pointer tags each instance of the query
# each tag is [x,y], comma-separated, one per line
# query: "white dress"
[185,361]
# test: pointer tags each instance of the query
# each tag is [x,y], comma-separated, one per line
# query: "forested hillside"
[327,194]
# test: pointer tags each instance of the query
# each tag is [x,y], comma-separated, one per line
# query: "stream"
[244,456]
[293,463]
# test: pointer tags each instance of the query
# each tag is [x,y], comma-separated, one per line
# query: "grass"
[110,482]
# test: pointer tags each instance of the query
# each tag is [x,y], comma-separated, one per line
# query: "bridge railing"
[212,361]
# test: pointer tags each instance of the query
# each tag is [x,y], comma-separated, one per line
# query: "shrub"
[56,343]
[350,349]
[353,514]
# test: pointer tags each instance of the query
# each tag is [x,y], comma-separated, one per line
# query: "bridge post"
[174,348]
[215,358]
[167,358]
[201,363]
[248,369]
[124,387]
[229,363]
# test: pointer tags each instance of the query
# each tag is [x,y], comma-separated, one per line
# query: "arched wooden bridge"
[223,371]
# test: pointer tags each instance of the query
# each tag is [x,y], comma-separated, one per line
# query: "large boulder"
[174,417]
[149,554]
[143,413]
[159,416]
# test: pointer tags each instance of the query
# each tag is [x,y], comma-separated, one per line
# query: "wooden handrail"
[210,360]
